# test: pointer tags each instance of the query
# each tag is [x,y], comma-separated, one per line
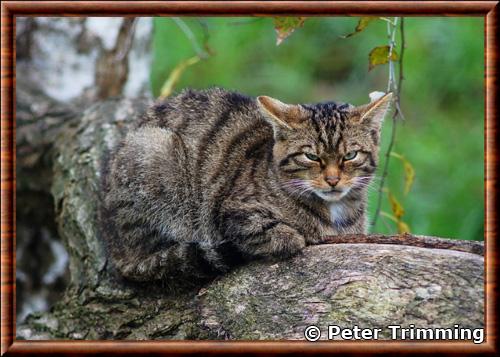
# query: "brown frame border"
[11,9]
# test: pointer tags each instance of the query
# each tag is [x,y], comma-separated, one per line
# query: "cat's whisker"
[301,191]
[364,181]
[367,178]
[298,187]
[367,182]
[296,184]
[368,187]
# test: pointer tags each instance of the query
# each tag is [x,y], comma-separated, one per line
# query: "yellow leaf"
[362,23]
[173,78]
[403,227]
[409,171]
[409,176]
[396,207]
[284,27]
[380,55]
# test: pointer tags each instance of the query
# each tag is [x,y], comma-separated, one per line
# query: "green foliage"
[442,98]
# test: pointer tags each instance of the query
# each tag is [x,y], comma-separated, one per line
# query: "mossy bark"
[369,285]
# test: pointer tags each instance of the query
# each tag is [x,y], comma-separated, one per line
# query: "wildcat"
[209,179]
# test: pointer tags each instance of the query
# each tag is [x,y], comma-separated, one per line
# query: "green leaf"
[284,27]
[380,55]
[362,23]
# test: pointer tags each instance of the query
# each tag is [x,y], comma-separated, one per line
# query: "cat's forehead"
[328,116]
[329,127]
[328,110]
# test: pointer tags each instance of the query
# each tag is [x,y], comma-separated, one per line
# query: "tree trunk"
[368,284]
[98,54]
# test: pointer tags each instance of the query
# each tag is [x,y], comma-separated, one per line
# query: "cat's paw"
[280,241]
[284,241]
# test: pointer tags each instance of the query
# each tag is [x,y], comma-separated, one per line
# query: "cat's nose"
[332,180]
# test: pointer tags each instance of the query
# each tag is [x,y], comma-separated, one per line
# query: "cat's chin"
[331,196]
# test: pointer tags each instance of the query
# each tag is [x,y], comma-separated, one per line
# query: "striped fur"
[210,179]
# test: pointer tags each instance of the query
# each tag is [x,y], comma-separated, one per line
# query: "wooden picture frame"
[11,9]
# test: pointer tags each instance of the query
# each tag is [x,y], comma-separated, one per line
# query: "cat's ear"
[281,115]
[374,112]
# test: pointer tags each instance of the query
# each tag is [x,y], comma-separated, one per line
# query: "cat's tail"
[181,260]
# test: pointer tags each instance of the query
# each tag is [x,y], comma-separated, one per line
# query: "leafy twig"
[387,20]
[391,33]
[395,87]
[401,77]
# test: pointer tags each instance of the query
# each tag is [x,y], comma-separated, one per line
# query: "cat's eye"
[311,157]
[350,155]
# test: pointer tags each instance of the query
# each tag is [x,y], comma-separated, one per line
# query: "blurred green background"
[441,137]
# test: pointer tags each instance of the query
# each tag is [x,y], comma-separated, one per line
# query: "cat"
[209,179]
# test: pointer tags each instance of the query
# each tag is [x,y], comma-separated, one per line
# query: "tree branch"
[371,284]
